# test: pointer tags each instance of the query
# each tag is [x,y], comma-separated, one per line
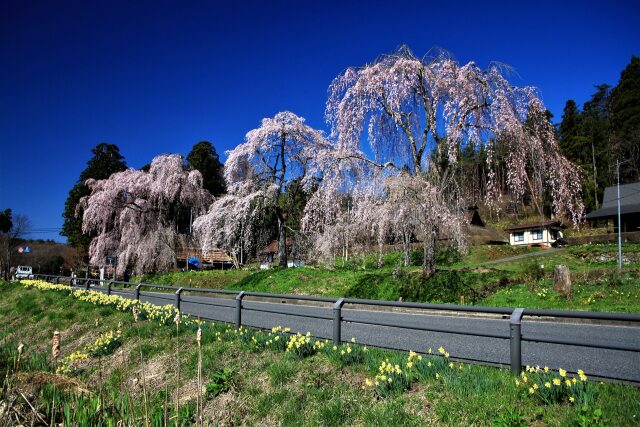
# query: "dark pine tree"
[106,160]
[624,107]
[597,130]
[5,221]
[204,158]
[571,134]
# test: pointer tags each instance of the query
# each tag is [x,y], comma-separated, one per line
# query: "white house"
[542,233]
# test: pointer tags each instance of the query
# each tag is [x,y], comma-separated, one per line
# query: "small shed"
[270,253]
[210,259]
[543,233]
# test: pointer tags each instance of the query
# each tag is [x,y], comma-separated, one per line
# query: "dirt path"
[533,254]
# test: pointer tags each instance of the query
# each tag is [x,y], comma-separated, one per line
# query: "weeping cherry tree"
[419,113]
[135,214]
[282,150]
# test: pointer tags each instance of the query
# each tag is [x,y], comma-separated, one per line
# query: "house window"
[518,237]
[537,234]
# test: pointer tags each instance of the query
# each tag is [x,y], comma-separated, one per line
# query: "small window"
[537,234]
[518,237]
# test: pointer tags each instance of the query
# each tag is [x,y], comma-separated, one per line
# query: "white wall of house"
[536,236]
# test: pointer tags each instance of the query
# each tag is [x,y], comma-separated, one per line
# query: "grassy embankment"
[249,378]
[521,283]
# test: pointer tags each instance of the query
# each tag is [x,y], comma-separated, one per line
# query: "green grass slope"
[246,381]
[525,282]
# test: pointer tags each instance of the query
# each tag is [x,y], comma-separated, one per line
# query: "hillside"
[525,282]
[109,366]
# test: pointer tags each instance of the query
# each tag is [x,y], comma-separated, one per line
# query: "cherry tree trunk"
[406,248]
[282,242]
[429,252]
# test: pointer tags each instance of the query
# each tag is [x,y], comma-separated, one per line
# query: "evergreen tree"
[106,160]
[204,158]
[624,106]
[571,134]
[597,131]
[5,221]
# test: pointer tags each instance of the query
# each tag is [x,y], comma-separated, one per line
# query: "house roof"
[545,223]
[485,235]
[273,247]
[629,201]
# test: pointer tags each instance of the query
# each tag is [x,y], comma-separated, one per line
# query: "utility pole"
[618,163]
[595,175]
[619,234]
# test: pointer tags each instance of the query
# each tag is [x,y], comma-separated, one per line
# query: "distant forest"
[605,130]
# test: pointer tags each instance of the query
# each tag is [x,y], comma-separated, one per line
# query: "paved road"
[517,257]
[615,364]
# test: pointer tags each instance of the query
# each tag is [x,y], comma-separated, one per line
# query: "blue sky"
[156,77]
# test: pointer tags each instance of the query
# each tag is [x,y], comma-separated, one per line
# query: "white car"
[24,272]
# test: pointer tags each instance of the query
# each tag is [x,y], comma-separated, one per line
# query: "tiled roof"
[545,223]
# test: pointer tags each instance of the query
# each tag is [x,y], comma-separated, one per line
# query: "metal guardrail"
[514,335]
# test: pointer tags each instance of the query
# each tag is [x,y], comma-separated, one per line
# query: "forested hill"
[606,129]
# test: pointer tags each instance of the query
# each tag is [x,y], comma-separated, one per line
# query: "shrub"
[443,286]
[533,271]
[447,256]
[374,286]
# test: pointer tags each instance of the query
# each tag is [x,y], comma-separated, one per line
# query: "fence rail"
[513,334]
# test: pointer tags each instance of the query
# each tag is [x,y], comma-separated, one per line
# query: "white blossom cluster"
[401,187]
[133,214]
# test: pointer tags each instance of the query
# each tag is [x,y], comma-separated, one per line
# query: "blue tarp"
[194,261]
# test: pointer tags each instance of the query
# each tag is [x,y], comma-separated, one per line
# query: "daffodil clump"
[390,379]
[104,345]
[304,345]
[247,336]
[162,314]
[45,286]
[396,376]
[98,298]
[276,340]
[346,354]
[550,387]
[430,365]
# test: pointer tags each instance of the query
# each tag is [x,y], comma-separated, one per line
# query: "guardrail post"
[178,300]
[87,284]
[109,283]
[137,291]
[337,321]
[239,309]
[515,334]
